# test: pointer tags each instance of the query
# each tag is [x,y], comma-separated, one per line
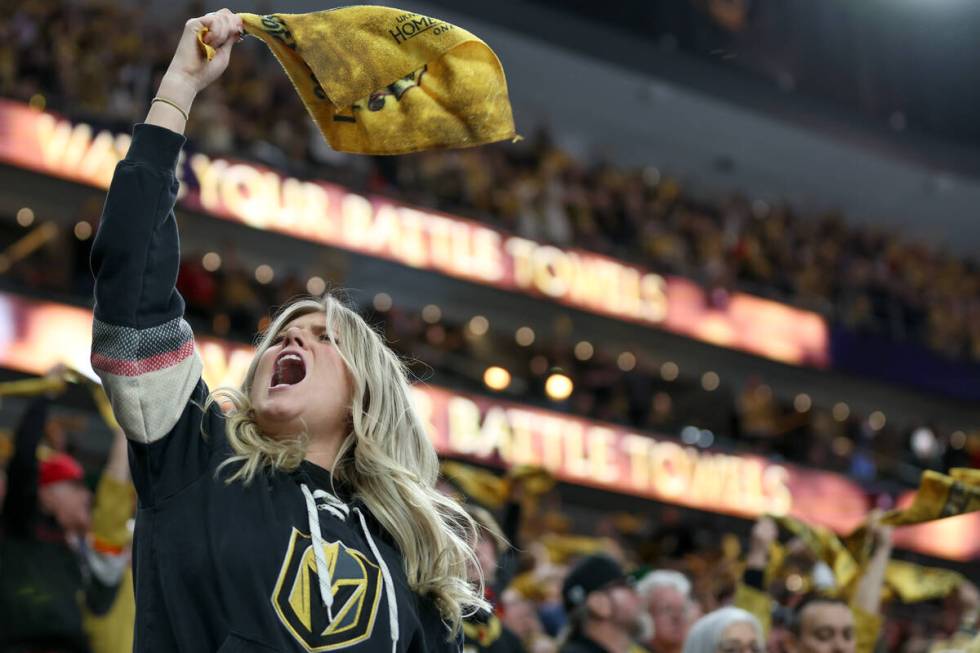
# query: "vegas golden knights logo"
[356,588]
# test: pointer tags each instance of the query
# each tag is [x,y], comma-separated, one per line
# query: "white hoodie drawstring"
[389,585]
[333,504]
[341,510]
[322,569]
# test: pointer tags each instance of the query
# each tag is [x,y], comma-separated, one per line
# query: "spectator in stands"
[110,626]
[56,581]
[484,631]
[521,617]
[821,624]
[45,517]
[965,614]
[666,595]
[605,613]
[727,630]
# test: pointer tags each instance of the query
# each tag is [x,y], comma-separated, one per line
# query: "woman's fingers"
[231,26]
[230,33]
[223,26]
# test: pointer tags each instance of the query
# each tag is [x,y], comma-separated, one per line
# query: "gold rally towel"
[912,583]
[908,582]
[492,491]
[479,485]
[940,496]
[827,547]
[57,385]
[379,80]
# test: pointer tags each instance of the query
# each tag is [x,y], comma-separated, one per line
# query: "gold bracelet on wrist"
[171,103]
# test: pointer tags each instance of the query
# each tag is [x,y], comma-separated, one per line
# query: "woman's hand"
[190,71]
[189,64]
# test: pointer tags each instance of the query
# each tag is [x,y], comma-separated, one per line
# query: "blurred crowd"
[689,572]
[865,279]
[229,299]
[550,590]
[555,569]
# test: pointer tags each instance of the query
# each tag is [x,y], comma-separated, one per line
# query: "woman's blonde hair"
[387,459]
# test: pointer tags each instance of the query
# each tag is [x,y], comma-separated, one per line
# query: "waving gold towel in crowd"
[492,491]
[938,496]
[379,80]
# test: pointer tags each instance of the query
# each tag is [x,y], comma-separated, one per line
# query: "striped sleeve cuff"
[149,374]
[125,351]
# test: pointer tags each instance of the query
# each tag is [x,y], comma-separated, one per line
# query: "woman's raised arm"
[141,346]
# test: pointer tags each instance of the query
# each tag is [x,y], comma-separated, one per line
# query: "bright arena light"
[524,336]
[382,302]
[83,230]
[496,378]
[25,217]
[584,350]
[626,361]
[558,387]
[316,286]
[710,381]
[876,420]
[211,261]
[923,442]
[264,274]
[431,313]
[479,325]
[802,403]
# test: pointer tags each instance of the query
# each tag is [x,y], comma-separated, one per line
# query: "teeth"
[289,369]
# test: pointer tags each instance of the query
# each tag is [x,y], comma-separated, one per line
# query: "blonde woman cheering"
[306,519]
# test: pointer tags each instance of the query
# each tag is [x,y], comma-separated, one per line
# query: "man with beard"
[605,613]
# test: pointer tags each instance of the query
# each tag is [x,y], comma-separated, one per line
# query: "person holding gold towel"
[297,512]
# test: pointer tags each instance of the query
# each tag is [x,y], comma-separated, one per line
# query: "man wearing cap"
[605,613]
[46,514]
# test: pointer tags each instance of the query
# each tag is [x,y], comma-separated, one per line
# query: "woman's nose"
[294,335]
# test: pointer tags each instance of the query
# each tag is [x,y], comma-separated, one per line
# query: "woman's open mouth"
[289,369]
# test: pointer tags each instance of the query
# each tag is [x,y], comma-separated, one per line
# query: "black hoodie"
[219,566]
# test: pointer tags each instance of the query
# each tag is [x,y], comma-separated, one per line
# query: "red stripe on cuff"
[121,367]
